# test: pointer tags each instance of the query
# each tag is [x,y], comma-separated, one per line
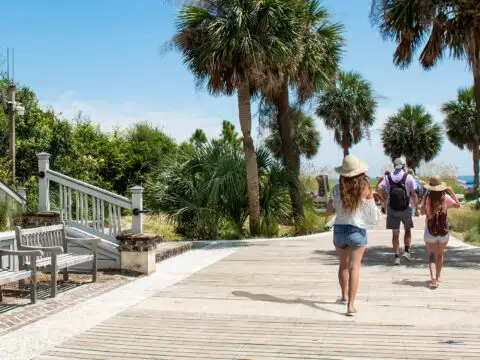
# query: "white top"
[367,215]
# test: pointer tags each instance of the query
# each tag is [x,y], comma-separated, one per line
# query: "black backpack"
[399,200]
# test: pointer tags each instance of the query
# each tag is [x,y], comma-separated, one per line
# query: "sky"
[106,59]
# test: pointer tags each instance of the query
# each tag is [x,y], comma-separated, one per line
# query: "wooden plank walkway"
[276,300]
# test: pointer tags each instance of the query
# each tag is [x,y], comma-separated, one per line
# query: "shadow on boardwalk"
[456,257]
[275,299]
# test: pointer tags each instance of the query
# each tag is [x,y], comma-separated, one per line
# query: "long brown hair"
[351,191]
[436,199]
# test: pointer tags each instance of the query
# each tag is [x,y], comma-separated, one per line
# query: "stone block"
[141,262]
[138,251]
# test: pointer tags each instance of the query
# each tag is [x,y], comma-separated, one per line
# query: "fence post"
[137,208]
[43,186]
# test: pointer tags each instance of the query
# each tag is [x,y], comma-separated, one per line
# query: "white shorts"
[435,239]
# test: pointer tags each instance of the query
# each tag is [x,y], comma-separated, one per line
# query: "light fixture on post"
[20,109]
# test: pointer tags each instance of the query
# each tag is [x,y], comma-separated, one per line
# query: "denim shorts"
[345,236]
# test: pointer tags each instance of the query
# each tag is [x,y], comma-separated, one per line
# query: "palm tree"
[412,133]
[446,25]
[238,46]
[318,54]
[348,108]
[461,125]
[307,138]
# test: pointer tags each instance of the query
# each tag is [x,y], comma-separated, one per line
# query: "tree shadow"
[455,257]
[271,298]
[411,283]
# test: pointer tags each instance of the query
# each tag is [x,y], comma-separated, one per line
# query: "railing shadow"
[455,257]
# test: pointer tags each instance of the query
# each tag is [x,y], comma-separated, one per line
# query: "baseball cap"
[399,163]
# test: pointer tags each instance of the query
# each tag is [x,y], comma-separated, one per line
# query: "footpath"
[272,300]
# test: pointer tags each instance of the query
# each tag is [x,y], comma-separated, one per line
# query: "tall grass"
[10,213]
[466,221]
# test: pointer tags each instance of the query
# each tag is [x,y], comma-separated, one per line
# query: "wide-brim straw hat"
[436,184]
[351,167]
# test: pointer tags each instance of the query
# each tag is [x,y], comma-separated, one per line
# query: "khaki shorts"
[396,218]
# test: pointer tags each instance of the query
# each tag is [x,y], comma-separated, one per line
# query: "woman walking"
[438,199]
[353,202]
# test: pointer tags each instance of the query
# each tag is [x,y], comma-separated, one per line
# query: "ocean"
[465,178]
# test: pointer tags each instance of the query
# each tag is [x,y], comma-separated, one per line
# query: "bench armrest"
[22,252]
[91,241]
[50,249]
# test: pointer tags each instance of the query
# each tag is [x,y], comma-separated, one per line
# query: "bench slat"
[7,276]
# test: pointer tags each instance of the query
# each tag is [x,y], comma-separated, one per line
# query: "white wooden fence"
[87,207]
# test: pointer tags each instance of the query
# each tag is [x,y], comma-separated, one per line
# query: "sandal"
[434,284]
[341,301]
[351,313]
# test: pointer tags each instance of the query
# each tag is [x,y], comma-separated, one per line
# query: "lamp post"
[13,107]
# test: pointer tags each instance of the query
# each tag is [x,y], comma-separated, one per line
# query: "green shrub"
[204,192]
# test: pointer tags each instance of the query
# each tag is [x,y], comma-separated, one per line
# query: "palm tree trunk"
[476,86]
[290,156]
[346,151]
[476,156]
[245,117]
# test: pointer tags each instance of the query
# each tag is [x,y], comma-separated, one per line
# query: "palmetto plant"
[239,46]
[307,138]
[207,187]
[412,133]
[462,126]
[439,26]
[348,108]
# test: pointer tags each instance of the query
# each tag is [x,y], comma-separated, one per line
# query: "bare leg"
[407,239]
[343,271]
[354,261]
[396,241]
[440,248]
[431,248]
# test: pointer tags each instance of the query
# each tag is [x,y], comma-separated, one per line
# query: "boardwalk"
[276,300]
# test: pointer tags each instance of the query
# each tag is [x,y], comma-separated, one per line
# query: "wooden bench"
[53,241]
[8,275]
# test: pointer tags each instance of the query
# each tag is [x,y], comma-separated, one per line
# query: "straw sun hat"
[351,167]
[436,184]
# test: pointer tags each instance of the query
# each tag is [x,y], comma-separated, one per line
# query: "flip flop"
[350,314]
[434,284]
[341,301]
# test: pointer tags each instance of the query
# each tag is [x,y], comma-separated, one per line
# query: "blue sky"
[104,58]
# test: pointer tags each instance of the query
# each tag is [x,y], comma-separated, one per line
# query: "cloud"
[177,124]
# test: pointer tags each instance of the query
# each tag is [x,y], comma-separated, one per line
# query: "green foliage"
[307,137]
[461,123]
[467,221]
[348,108]
[204,192]
[114,161]
[412,133]
[10,213]
[436,25]
[229,136]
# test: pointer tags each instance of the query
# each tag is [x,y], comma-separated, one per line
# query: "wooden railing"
[87,207]
[20,195]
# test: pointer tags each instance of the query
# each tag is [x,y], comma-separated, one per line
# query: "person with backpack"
[402,198]
[435,204]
